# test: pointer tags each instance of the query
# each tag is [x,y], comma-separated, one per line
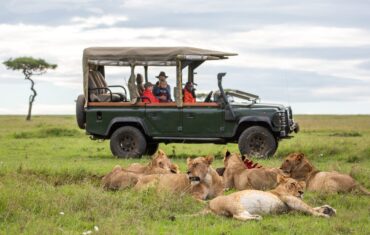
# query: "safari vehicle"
[136,128]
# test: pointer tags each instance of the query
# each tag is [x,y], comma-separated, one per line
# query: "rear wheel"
[257,141]
[127,142]
[80,111]
[151,148]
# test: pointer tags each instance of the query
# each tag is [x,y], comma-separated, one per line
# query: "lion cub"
[201,180]
[251,204]
[160,164]
[299,168]
[120,178]
[237,176]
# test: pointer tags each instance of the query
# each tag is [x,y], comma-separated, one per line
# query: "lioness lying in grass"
[120,178]
[160,164]
[299,168]
[251,204]
[201,180]
[237,176]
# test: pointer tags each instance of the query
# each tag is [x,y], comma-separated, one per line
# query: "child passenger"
[148,94]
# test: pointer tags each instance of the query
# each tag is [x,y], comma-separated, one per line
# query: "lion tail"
[363,190]
[203,212]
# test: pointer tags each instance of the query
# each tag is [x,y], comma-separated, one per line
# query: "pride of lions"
[260,190]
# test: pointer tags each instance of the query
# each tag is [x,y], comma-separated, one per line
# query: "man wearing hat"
[148,96]
[162,90]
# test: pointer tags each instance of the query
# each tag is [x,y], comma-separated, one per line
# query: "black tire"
[151,148]
[257,141]
[80,111]
[127,142]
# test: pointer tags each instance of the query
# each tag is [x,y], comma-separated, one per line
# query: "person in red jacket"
[148,96]
[189,94]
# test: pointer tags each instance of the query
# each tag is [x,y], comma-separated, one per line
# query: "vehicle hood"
[259,106]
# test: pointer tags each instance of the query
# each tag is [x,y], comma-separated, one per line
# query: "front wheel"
[257,141]
[127,142]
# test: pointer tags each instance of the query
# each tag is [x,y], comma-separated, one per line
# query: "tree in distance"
[29,67]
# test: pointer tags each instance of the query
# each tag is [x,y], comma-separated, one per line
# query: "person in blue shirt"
[162,90]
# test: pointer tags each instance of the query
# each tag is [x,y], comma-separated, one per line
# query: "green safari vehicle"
[136,128]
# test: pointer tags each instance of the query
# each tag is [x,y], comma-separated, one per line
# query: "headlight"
[276,120]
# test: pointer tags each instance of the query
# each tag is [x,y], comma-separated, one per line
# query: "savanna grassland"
[50,173]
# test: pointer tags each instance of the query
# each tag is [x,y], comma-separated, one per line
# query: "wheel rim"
[127,143]
[257,144]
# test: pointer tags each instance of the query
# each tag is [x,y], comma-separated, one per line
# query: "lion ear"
[161,152]
[300,156]
[302,184]
[188,161]
[281,179]
[209,160]
[228,154]
[174,168]
[156,154]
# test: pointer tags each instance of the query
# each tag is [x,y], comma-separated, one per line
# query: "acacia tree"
[29,67]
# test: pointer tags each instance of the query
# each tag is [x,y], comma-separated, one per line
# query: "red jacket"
[188,97]
[148,93]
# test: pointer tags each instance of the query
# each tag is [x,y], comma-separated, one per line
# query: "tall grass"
[50,175]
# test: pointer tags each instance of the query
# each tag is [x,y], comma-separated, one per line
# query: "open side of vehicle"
[135,127]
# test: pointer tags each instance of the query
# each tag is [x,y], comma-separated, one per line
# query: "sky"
[312,55]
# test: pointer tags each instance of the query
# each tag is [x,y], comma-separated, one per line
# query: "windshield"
[237,97]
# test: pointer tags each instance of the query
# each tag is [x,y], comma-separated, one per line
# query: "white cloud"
[64,44]
[35,6]
[94,21]
[292,36]
[360,93]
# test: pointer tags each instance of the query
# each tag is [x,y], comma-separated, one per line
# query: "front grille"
[283,120]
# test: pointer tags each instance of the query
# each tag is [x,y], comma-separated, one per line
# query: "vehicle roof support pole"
[134,93]
[146,73]
[191,73]
[178,91]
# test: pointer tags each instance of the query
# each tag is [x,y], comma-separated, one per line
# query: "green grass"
[49,166]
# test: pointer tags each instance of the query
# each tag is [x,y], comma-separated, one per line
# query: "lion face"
[161,160]
[232,159]
[291,162]
[198,168]
[291,187]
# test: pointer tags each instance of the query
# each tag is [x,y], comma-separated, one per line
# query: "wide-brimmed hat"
[148,84]
[162,74]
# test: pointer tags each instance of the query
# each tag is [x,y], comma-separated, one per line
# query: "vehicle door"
[163,119]
[202,120]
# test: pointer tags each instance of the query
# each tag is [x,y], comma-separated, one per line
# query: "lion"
[298,167]
[201,180]
[251,204]
[120,178]
[160,164]
[237,176]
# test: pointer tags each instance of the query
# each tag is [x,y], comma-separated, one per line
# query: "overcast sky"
[313,55]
